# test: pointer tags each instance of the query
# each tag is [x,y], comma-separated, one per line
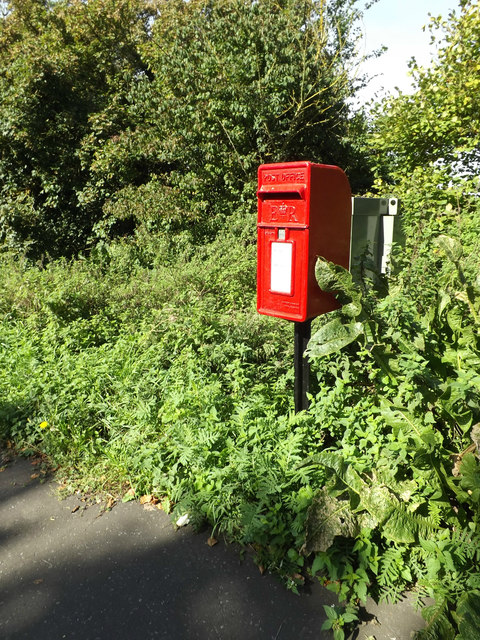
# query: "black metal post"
[302,365]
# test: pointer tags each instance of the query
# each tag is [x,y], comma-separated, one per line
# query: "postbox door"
[282,271]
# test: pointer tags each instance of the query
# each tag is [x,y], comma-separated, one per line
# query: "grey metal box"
[375,226]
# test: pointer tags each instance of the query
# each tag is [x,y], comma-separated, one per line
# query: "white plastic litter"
[183,520]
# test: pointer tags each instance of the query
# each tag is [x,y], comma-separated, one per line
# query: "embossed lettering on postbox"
[283,213]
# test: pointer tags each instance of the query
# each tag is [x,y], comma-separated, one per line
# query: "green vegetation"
[125,113]
[131,353]
[400,411]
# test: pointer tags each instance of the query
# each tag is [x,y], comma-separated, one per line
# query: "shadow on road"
[129,574]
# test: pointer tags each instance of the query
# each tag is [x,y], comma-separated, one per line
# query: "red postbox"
[304,211]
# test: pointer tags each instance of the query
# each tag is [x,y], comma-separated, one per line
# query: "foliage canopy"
[130,112]
[60,62]
[439,123]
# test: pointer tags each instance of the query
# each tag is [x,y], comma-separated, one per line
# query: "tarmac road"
[127,574]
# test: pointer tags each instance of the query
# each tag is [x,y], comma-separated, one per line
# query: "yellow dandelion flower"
[43,425]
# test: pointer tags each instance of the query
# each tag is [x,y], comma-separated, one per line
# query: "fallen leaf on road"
[212,542]
[34,476]
[111,503]
[75,509]
[149,498]
[38,581]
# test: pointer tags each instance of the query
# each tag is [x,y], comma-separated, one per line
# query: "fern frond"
[391,594]
[435,513]
[390,564]
[466,543]
[420,594]
[439,626]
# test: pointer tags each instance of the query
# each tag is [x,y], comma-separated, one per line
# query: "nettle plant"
[399,405]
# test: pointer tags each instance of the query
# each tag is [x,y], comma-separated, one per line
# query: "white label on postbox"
[281,267]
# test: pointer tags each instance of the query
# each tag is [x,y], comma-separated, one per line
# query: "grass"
[160,375]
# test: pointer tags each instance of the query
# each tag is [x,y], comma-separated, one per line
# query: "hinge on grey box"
[375,227]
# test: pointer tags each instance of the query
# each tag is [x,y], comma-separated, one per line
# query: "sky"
[398,24]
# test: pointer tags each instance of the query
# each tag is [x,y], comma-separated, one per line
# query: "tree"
[231,84]
[60,62]
[426,148]
[440,123]
[117,113]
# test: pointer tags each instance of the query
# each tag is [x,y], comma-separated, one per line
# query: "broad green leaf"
[317,564]
[328,517]
[398,524]
[443,302]
[477,283]
[361,592]
[400,419]
[451,246]
[470,475]
[352,309]
[332,337]
[333,278]
[330,611]
[428,545]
